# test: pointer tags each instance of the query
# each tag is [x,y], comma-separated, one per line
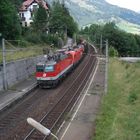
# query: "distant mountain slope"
[99,11]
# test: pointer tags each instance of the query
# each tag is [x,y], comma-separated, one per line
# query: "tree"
[9,21]
[40,20]
[112,52]
[137,37]
[61,21]
[123,43]
[17,3]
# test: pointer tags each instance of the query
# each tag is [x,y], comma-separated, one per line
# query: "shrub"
[51,39]
[113,52]
[33,38]
[127,66]
[132,98]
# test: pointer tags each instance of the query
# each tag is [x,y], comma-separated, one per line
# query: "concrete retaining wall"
[19,70]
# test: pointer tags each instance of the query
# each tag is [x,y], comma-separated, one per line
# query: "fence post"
[5,86]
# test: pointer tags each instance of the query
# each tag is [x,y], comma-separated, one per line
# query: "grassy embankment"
[20,53]
[119,118]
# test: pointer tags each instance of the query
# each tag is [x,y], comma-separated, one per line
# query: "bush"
[23,43]
[43,38]
[127,66]
[51,39]
[33,38]
[113,52]
[132,98]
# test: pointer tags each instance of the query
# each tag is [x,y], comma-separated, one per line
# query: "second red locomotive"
[50,72]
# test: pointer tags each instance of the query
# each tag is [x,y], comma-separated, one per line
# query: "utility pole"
[75,39]
[101,44]
[4,65]
[106,68]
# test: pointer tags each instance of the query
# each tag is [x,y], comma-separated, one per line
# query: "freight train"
[50,72]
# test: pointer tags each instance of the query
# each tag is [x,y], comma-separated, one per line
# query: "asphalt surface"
[16,92]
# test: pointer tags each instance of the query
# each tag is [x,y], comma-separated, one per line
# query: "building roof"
[27,3]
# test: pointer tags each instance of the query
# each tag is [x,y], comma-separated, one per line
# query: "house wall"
[17,71]
[27,15]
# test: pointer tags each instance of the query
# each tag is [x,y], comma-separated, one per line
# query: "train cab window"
[49,68]
[40,68]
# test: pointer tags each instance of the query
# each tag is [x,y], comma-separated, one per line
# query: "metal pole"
[101,44]
[106,68]
[66,31]
[4,65]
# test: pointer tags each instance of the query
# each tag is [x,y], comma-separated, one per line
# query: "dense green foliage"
[53,28]
[9,21]
[40,20]
[58,25]
[125,43]
[17,3]
[61,20]
[113,52]
[45,29]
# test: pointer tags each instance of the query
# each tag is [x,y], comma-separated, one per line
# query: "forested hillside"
[126,44]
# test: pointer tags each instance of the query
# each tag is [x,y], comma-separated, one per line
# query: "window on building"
[35,7]
[22,14]
[25,24]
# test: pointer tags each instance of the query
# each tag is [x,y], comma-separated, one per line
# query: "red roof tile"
[27,3]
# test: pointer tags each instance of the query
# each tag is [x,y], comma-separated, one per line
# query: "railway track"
[47,106]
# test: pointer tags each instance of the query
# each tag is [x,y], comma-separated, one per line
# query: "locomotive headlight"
[44,74]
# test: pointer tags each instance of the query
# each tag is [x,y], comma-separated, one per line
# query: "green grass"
[119,118]
[30,51]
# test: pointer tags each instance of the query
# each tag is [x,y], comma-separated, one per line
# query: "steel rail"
[65,109]
[27,136]
[57,102]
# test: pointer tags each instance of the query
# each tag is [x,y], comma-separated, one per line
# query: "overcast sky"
[129,4]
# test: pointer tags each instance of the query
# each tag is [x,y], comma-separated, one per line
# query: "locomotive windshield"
[49,68]
[40,68]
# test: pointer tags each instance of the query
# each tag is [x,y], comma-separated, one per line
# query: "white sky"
[129,4]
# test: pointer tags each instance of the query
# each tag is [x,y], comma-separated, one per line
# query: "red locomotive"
[50,72]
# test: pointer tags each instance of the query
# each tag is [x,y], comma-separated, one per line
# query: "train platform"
[16,92]
[80,124]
